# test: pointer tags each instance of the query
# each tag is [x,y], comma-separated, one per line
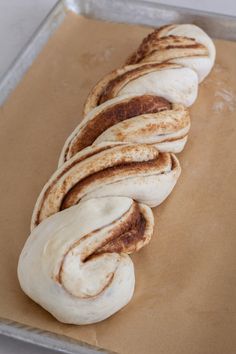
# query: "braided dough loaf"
[95,209]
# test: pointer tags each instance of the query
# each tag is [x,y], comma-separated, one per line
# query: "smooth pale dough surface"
[184,300]
[45,248]
[201,65]
[178,85]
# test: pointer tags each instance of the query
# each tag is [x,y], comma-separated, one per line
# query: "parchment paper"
[185,297]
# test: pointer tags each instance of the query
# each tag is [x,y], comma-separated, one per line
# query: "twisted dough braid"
[138,171]
[185,44]
[173,82]
[145,119]
[118,162]
[75,263]
[144,101]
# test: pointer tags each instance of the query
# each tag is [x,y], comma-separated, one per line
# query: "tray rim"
[46,339]
[25,58]
[50,23]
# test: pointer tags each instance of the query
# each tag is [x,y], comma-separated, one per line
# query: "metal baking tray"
[123,11]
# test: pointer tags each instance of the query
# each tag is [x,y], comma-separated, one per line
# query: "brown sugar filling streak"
[163,43]
[71,198]
[116,84]
[115,114]
[123,239]
[69,166]
[100,174]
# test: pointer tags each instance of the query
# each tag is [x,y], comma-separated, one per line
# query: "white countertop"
[18,21]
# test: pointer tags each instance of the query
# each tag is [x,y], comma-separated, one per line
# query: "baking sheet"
[185,279]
